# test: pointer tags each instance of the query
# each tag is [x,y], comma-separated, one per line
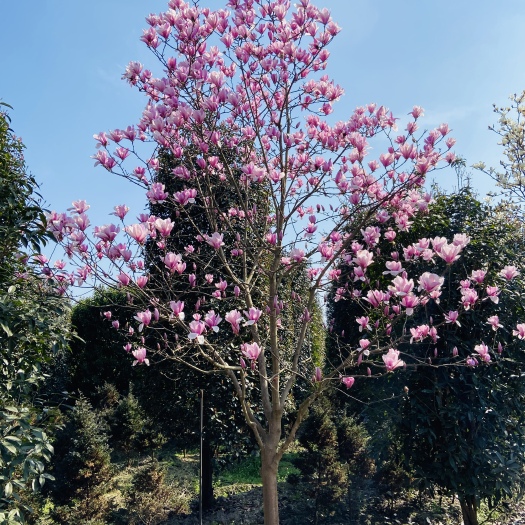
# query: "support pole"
[202,447]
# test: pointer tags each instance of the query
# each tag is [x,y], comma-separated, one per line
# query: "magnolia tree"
[241,101]
[511,128]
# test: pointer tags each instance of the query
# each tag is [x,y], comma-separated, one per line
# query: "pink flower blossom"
[363,258]
[493,321]
[461,240]
[394,268]
[478,276]
[106,233]
[174,262]
[120,211]
[520,331]
[177,308]
[419,333]
[144,319]
[363,322]
[140,356]
[234,317]
[483,352]
[80,206]
[348,381]
[449,253]
[493,293]
[469,297]
[318,375]
[137,232]
[430,282]
[141,281]
[391,360]
[212,320]
[472,362]
[197,328]
[409,302]
[124,279]
[215,240]
[164,227]
[251,351]
[509,272]
[402,286]
[253,315]
[452,317]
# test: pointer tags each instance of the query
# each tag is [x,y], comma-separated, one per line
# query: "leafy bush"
[151,499]
[82,467]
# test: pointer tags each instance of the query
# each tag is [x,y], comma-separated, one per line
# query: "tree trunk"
[269,467]
[469,510]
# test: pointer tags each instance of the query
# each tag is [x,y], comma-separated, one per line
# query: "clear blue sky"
[61,63]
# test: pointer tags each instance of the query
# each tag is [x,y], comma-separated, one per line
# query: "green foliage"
[336,457]
[150,499]
[131,429]
[82,466]
[34,328]
[21,215]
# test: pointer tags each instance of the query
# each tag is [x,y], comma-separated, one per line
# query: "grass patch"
[248,471]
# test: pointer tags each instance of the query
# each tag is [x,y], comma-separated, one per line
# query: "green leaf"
[8,489]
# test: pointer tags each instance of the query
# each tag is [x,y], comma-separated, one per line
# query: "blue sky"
[62,61]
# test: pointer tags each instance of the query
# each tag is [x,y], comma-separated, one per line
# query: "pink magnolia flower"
[391,360]
[251,351]
[115,324]
[493,293]
[215,240]
[107,314]
[468,297]
[363,258]
[419,332]
[509,272]
[430,282]
[318,375]
[410,301]
[197,328]
[212,320]
[493,321]
[234,317]
[124,279]
[520,331]
[438,243]
[478,276]
[253,315]
[144,319]
[297,255]
[137,232]
[452,317]
[461,240]
[472,362]
[402,286]
[483,352]
[363,322]
[140,356]
[173,262]
[106,233]
[348,381]
[449,252]
[164,227]
[80,206]
[120,211]
[394,268]
[141,281]
[177,308]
